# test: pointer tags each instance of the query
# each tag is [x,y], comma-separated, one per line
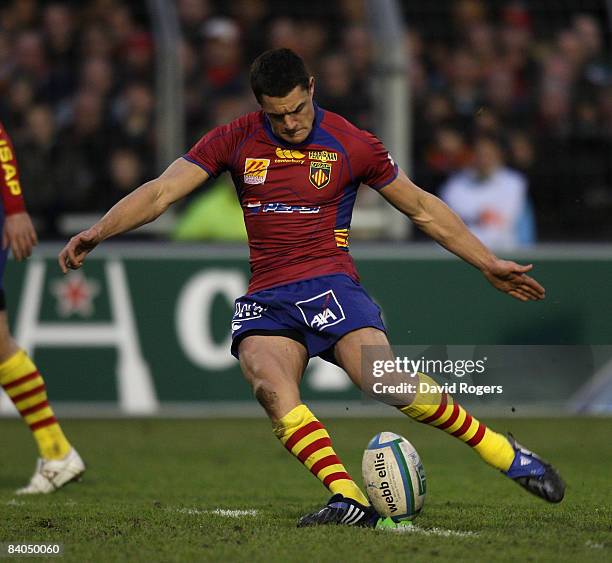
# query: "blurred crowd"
[77,93]
[537,76]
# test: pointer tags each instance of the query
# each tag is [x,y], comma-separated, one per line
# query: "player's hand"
[79,246]
[512,278]
[19,234]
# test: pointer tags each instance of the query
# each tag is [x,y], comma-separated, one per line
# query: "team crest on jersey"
[256,170]
[320,174]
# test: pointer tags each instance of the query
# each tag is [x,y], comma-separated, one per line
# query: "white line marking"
[234,513]
[229,513]
[433,532]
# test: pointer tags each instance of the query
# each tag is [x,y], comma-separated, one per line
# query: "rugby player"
[297,168]
[59,463]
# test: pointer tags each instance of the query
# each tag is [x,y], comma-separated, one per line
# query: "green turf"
[150,484]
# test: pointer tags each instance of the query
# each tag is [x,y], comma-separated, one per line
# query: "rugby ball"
[394,477]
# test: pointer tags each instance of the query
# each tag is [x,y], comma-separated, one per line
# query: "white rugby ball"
[394,477]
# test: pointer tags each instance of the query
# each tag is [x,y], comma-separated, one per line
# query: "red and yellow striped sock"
[439,409]
[306,438]
[26,388]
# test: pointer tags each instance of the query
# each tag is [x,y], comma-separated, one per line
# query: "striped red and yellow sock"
[306,438]
[439,409]
[25,386]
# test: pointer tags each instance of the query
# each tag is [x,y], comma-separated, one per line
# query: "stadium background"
[101,95]
[96,101]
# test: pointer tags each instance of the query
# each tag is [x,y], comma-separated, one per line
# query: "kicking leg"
[438,409]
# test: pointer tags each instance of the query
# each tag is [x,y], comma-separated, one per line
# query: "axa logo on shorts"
[321,311]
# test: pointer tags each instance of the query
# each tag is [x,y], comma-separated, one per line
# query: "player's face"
[291,116]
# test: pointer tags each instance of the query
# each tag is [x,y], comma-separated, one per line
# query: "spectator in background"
[192,15]
[125,173]
[133,118]
[197,111]
[222,55]
[501,97]
[251,18]
[491,199]
[61,48]
[464,84]
[97,76]
[336,91]
[597,68]
[17,102]
[447,154]
[358,50]
[96,42]
[22,15]
[476,67]
[6,61]
[31,59]
[137,55]
[41,153]
[81,166]
[283,32]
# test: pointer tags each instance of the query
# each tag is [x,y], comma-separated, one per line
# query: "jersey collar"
[317,120]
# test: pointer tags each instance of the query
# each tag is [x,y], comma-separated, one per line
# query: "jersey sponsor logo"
[320,174]
[289,155]
[321,311]
[9,168]
[323,156]
[255,207]
[256,170]
[284,208]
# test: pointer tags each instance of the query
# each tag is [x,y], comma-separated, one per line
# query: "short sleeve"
[213,152]
[377,167]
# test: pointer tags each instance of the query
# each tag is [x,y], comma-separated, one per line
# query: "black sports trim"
[286,332]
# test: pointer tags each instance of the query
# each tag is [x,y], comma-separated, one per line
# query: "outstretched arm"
[141,206]
[437,220]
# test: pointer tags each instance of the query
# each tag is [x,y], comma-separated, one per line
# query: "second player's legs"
[26,388]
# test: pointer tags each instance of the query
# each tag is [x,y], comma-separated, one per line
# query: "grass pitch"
[225,490]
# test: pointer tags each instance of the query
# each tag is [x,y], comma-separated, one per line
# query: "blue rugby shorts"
[316,312]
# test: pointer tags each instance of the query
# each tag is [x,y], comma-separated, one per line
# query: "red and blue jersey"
[298,199]
[10,187]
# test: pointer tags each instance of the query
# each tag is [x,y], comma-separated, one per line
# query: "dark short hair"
[276,72]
